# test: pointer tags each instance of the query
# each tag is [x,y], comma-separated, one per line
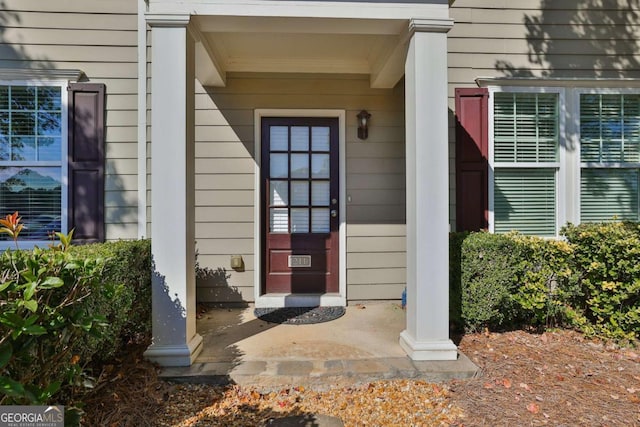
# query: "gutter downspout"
[142,119]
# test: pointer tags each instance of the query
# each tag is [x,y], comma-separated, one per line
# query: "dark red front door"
[300,212]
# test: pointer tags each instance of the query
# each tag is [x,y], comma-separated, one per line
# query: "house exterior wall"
[100,39]
[538,38]
[375,179]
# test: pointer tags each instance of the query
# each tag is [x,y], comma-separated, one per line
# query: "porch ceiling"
[376,47]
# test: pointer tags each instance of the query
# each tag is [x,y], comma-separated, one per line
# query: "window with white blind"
[525,161]
[609,156]
[32,150]
[562,154]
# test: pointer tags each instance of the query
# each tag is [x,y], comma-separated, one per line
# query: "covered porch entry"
[230,58]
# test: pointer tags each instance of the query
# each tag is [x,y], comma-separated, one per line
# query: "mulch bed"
[555,378]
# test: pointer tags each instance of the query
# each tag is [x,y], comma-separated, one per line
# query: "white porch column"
[426,336]
[175,341]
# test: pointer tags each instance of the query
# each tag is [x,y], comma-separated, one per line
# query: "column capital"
[418,25]
[167,20]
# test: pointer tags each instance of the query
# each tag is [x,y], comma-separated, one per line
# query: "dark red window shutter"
[86,161]
[472,164]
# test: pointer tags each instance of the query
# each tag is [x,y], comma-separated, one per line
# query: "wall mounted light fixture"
[363,124]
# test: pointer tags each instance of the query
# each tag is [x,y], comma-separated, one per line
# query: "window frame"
[569,165]
[63,163]
[580,165]
[558,166]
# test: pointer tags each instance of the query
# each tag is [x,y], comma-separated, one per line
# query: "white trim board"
[298,300]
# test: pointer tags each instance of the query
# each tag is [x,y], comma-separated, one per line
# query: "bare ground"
[556,378]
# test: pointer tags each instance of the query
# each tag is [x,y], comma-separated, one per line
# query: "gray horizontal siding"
[225,150]
[376,261]
[539,38]
[100,39]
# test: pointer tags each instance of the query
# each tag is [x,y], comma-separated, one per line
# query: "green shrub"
[129,264]
[545,281]
[607,257]
[64,308]
[45,321]
[455,279]
[591,281]
[489,269]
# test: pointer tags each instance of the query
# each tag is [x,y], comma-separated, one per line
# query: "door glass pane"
[279,165]
[278,220]
[320,138]
[320,220]
[320,166]
[320,193]
[299,166]
[300,138]
[279,193]
[279,138]
[300,220]
[299,193]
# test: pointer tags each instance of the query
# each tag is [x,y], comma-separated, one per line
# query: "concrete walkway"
[360,346]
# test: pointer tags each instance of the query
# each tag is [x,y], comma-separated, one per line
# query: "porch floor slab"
[361,346]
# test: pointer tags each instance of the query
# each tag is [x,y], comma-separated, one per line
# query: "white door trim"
[299,300]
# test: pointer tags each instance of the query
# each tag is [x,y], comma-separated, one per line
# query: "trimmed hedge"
[589,281]
[488,276]
[607,257]
[66,308]
[129,264]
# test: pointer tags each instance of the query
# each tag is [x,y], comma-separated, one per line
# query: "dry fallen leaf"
[506,383]
[529,369]
[533,408]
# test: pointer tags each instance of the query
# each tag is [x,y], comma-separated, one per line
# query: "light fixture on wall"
[363,124]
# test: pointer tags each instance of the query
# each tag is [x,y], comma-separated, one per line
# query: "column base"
[428,350]
[175,355]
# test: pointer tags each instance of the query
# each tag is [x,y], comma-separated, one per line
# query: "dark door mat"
[299,315]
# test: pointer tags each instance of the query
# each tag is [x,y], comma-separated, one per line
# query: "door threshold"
[300,300]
